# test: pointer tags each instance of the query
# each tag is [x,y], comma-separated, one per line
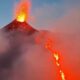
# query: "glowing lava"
[21,17]
[48,46]
[22,11]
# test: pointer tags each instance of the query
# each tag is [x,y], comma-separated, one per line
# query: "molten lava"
[21,17]
[22,11]
[48,46]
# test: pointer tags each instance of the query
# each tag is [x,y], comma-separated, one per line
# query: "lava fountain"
[22,11]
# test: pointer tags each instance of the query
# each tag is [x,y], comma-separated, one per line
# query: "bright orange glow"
[56,56]
[21,17]
[62,75]
[48,45]
[22,11]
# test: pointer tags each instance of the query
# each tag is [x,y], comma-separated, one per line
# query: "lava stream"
[48,46]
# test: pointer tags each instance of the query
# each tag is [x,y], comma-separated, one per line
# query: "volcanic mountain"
[19,53]
[17,34]
[20,26]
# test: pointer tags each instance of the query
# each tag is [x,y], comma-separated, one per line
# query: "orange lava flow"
[48,46]
[22,11]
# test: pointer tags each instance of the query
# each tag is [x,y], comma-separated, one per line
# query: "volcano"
[20,26]
[18,34]
[17,39]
